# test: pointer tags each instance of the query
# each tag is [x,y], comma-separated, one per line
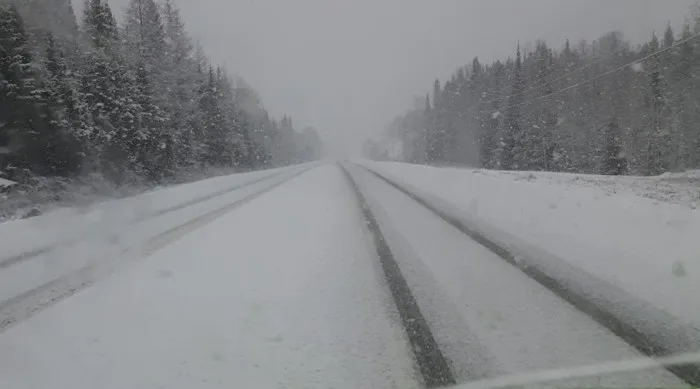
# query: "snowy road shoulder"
[30,237]
[672,188]
[34,283]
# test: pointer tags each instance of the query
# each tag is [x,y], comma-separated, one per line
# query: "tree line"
[135,102]
[604,107]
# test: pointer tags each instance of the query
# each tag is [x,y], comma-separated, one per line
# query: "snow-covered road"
[278,284]
[279,293]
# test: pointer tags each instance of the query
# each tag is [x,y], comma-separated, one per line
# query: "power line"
[564,76]
[676,44]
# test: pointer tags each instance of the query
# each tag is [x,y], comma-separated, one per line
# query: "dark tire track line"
[432,364]
[27,255]
[641,341]
[27,304]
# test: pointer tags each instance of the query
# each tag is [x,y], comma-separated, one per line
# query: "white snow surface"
[676,188]
[4,182]
[20,236]
[86,247]
[286,290]
[501,321]
[280,293]
[648,248]
[108,245]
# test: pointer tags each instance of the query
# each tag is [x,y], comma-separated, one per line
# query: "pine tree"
[473,113]
[62,148]
[448,122]
[658,137]
[19,118]
[511,138]
[54,16]
[492,129]
[421,143]
[180,82]
[145,43]
[539,144]
[144,34]
[136,105]
[686,112]
[111,90]
[99,23]
[614,162]
[150,144]
[236,134]
[436,134]
[584,109]
[284,149]
[572,109]
[213,123]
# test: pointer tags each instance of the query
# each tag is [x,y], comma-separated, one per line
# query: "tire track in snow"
[27,255]
[647,344]
[27,304]
[431,362]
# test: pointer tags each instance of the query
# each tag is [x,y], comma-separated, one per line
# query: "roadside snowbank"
[5,183]
[648,248]
[37,196]
[677,188]
[41,195]
[21,236]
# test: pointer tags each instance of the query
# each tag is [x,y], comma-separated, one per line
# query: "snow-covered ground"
[491,319]
[42,261]
[273,280]
[646,247]
[676,188]
[104,250]
[21,236]
[279,293]
[42,195]
[5,183]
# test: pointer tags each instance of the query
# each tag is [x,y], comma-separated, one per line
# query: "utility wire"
[598,77]
[565,76]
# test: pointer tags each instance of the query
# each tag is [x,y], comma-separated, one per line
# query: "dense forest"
[133,103]
[592,107]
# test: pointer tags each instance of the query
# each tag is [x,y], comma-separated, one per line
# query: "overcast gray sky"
[347,67]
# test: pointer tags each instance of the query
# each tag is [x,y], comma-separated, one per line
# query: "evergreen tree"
[144,35]
[539,143]
[686,112]
[614,162]
[212,123]
[62,148]
[181,83]
[429,132]
[99,23]
[235,133]
[511,138]
[658,142]
[137,105]
[436,132]
[492,130]
[587,108]
[19,118]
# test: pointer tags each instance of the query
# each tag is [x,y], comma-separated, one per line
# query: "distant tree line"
[600,107]
[133,102]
